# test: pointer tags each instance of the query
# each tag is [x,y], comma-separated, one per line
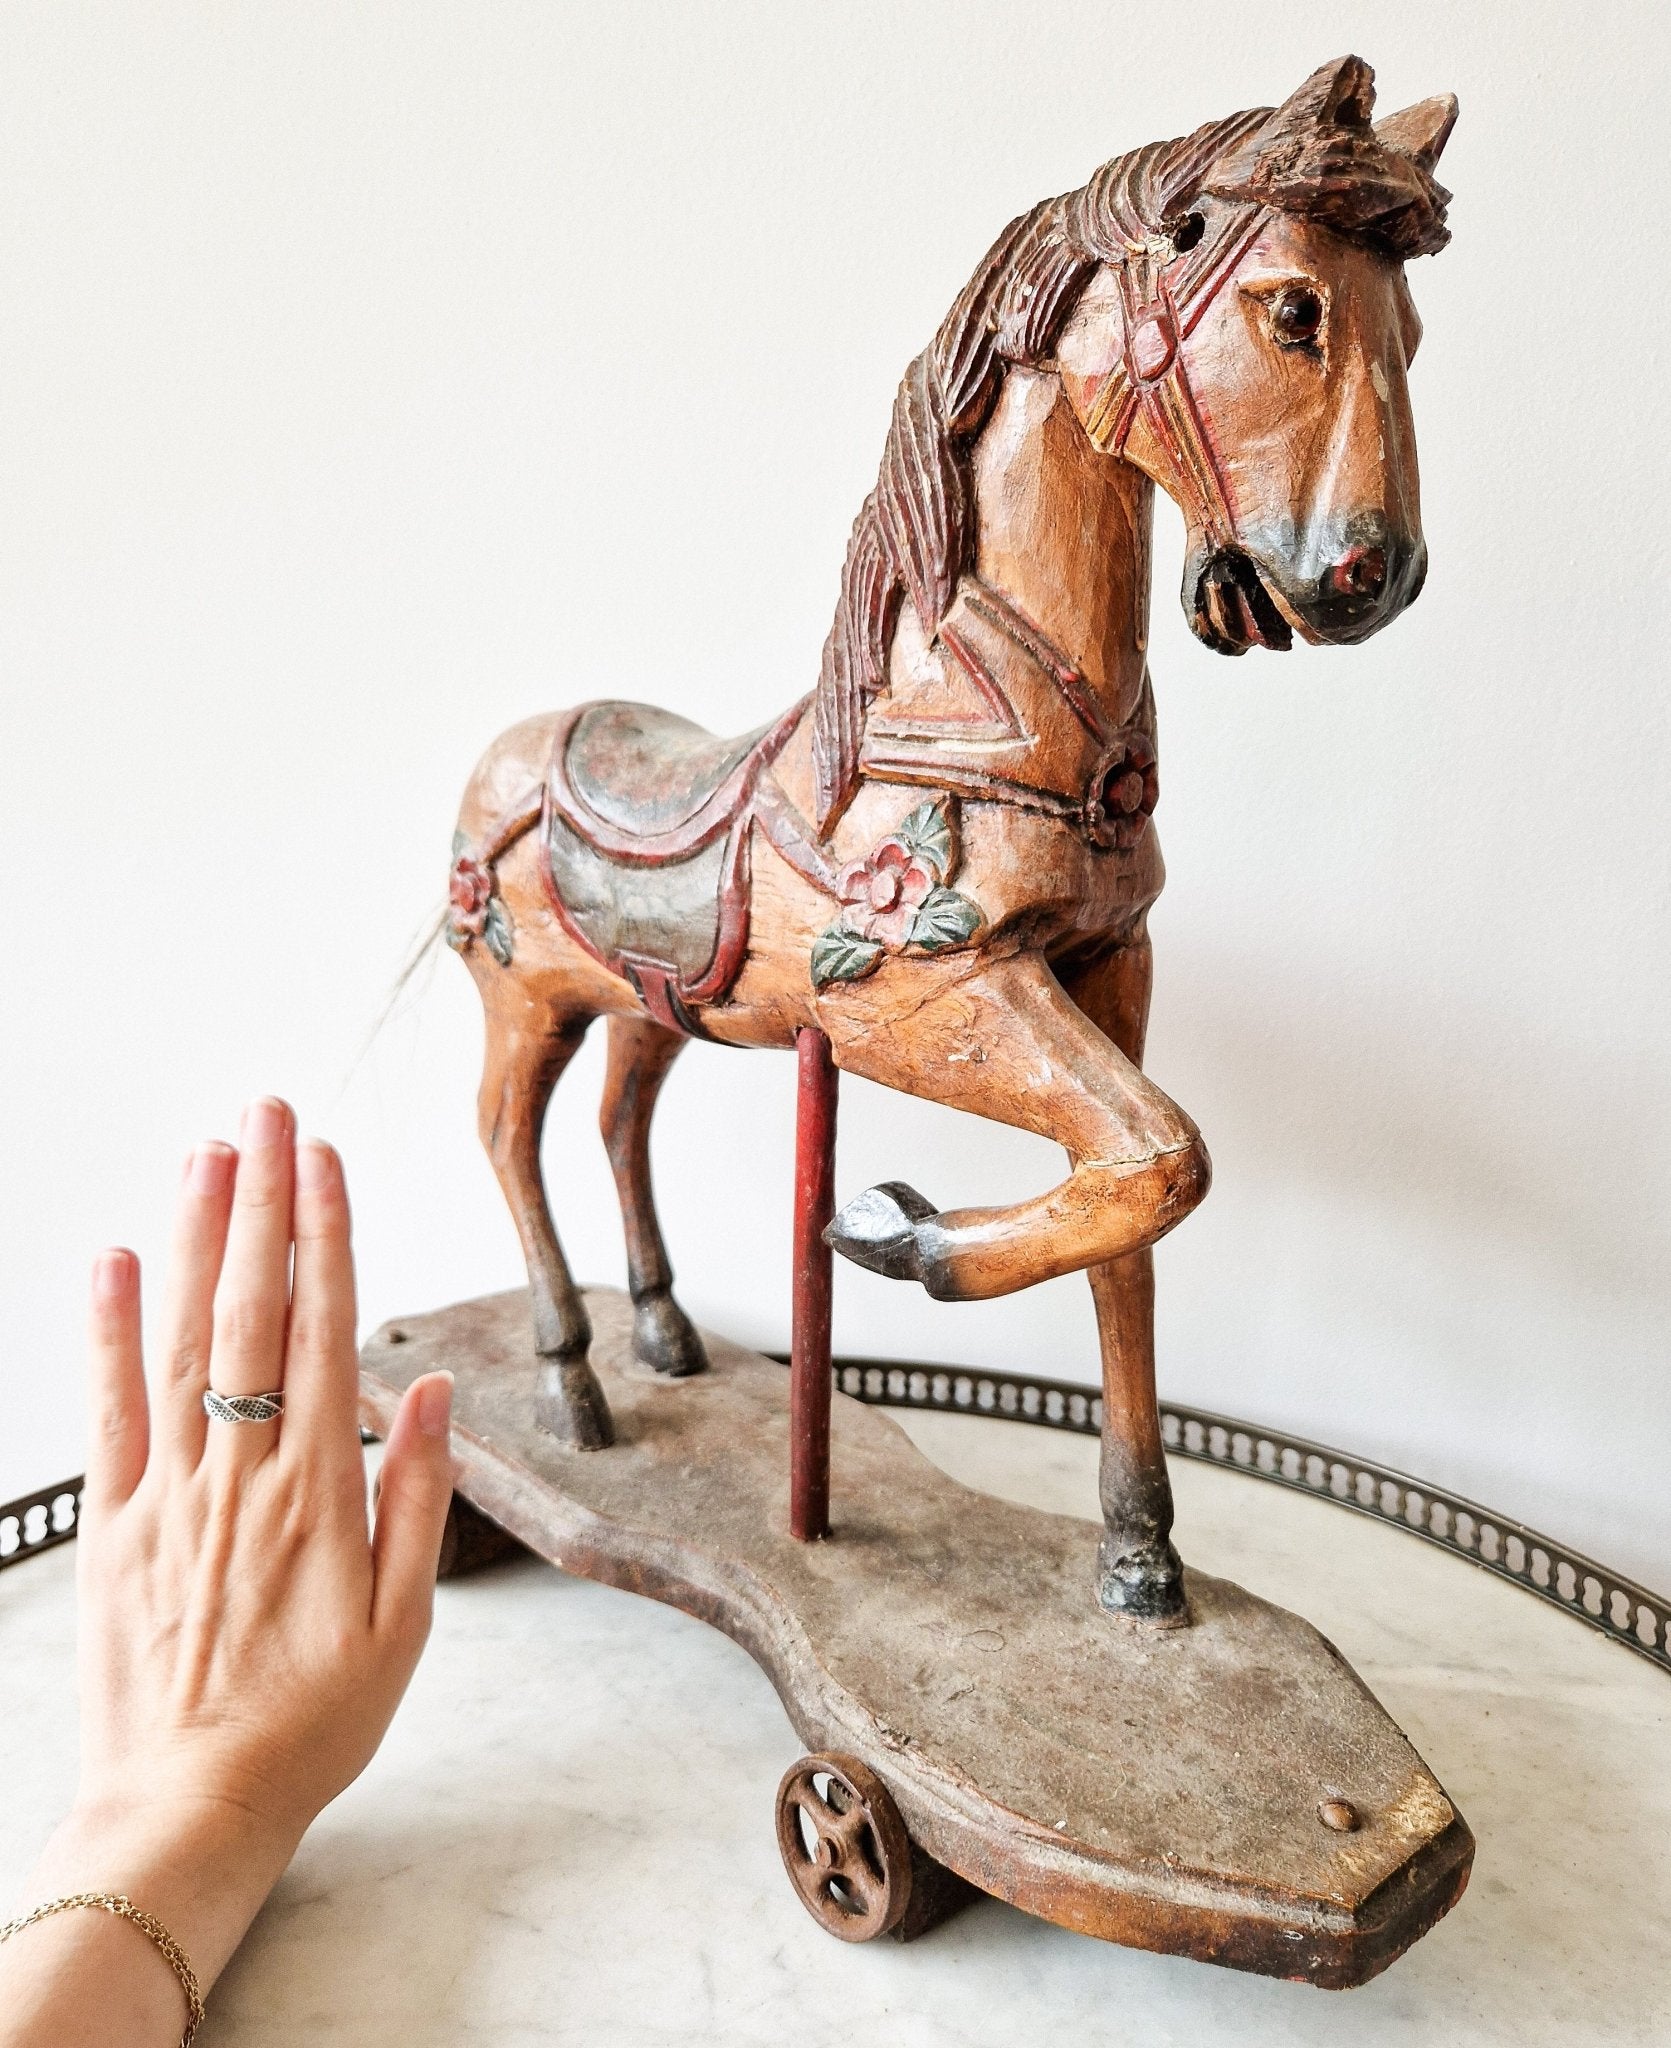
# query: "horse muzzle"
[1248,596]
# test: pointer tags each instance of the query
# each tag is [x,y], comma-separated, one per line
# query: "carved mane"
[1316,155]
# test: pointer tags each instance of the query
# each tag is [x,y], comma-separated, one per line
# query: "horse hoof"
[1144,1584]
[569,1405]
[664,1337]
[878,1230]
[564,1332]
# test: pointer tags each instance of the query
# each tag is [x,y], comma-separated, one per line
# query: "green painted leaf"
[496,933]
[928,833]
[840,955]
[943,919]
[461,841]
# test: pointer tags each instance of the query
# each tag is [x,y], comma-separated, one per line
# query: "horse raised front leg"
[1005,1041]
[527,1049]
[640,1054]
[1002,1039]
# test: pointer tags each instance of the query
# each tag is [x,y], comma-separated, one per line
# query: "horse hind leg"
[640,1054]
[528,1048]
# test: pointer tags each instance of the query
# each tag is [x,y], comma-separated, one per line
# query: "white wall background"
[372,375]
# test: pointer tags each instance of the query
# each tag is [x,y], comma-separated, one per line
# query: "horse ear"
[1340,94]
[1420,131]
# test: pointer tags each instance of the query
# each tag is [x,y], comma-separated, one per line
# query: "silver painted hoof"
[1144,1584]
[878,1230]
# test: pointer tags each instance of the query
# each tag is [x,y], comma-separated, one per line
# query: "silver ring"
[243,1407]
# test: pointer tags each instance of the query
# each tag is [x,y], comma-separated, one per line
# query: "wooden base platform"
[1165,1790]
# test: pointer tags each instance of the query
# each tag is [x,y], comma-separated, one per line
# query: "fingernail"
[111,1271]
[265,1122]
[435,1404]
[211,1168]
[314,1161]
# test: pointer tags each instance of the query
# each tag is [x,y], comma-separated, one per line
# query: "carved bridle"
[1165,289]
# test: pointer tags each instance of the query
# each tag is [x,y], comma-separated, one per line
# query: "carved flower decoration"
[474,911]
[896,897]
[469,891]
[1126,792]
[881,895]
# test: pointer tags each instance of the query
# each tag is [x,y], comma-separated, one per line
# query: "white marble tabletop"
[567,1837]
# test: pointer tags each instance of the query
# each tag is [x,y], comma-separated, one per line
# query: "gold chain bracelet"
[125,1909]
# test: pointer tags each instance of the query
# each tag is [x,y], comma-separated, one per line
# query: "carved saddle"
[646,847]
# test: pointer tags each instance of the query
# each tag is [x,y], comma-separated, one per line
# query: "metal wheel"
[844,1846]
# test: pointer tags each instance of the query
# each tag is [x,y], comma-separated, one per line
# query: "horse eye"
[1296,315]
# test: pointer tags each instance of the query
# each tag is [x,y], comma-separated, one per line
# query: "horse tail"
[427,937]
[424,943]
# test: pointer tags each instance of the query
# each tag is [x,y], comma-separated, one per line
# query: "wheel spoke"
[807,1802]
[861,1882]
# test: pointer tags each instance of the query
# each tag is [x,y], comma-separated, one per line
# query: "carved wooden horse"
[943,857]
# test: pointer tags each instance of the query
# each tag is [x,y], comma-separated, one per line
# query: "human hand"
[244,1639]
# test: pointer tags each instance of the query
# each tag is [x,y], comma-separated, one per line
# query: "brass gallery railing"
[1576,1584]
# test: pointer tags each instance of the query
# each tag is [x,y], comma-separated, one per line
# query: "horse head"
[1246,345]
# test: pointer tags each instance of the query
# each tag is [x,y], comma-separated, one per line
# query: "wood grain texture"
[1161,1790]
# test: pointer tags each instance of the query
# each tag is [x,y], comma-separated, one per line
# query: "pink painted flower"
[469,891]
[881,895]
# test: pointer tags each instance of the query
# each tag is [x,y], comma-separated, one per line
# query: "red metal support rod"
[809,1359]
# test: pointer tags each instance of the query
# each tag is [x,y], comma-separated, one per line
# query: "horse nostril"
[1360,572]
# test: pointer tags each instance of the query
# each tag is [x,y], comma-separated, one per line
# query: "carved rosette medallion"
[474,908]
[1125,788]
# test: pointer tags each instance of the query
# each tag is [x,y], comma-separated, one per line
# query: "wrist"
[201,1867]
